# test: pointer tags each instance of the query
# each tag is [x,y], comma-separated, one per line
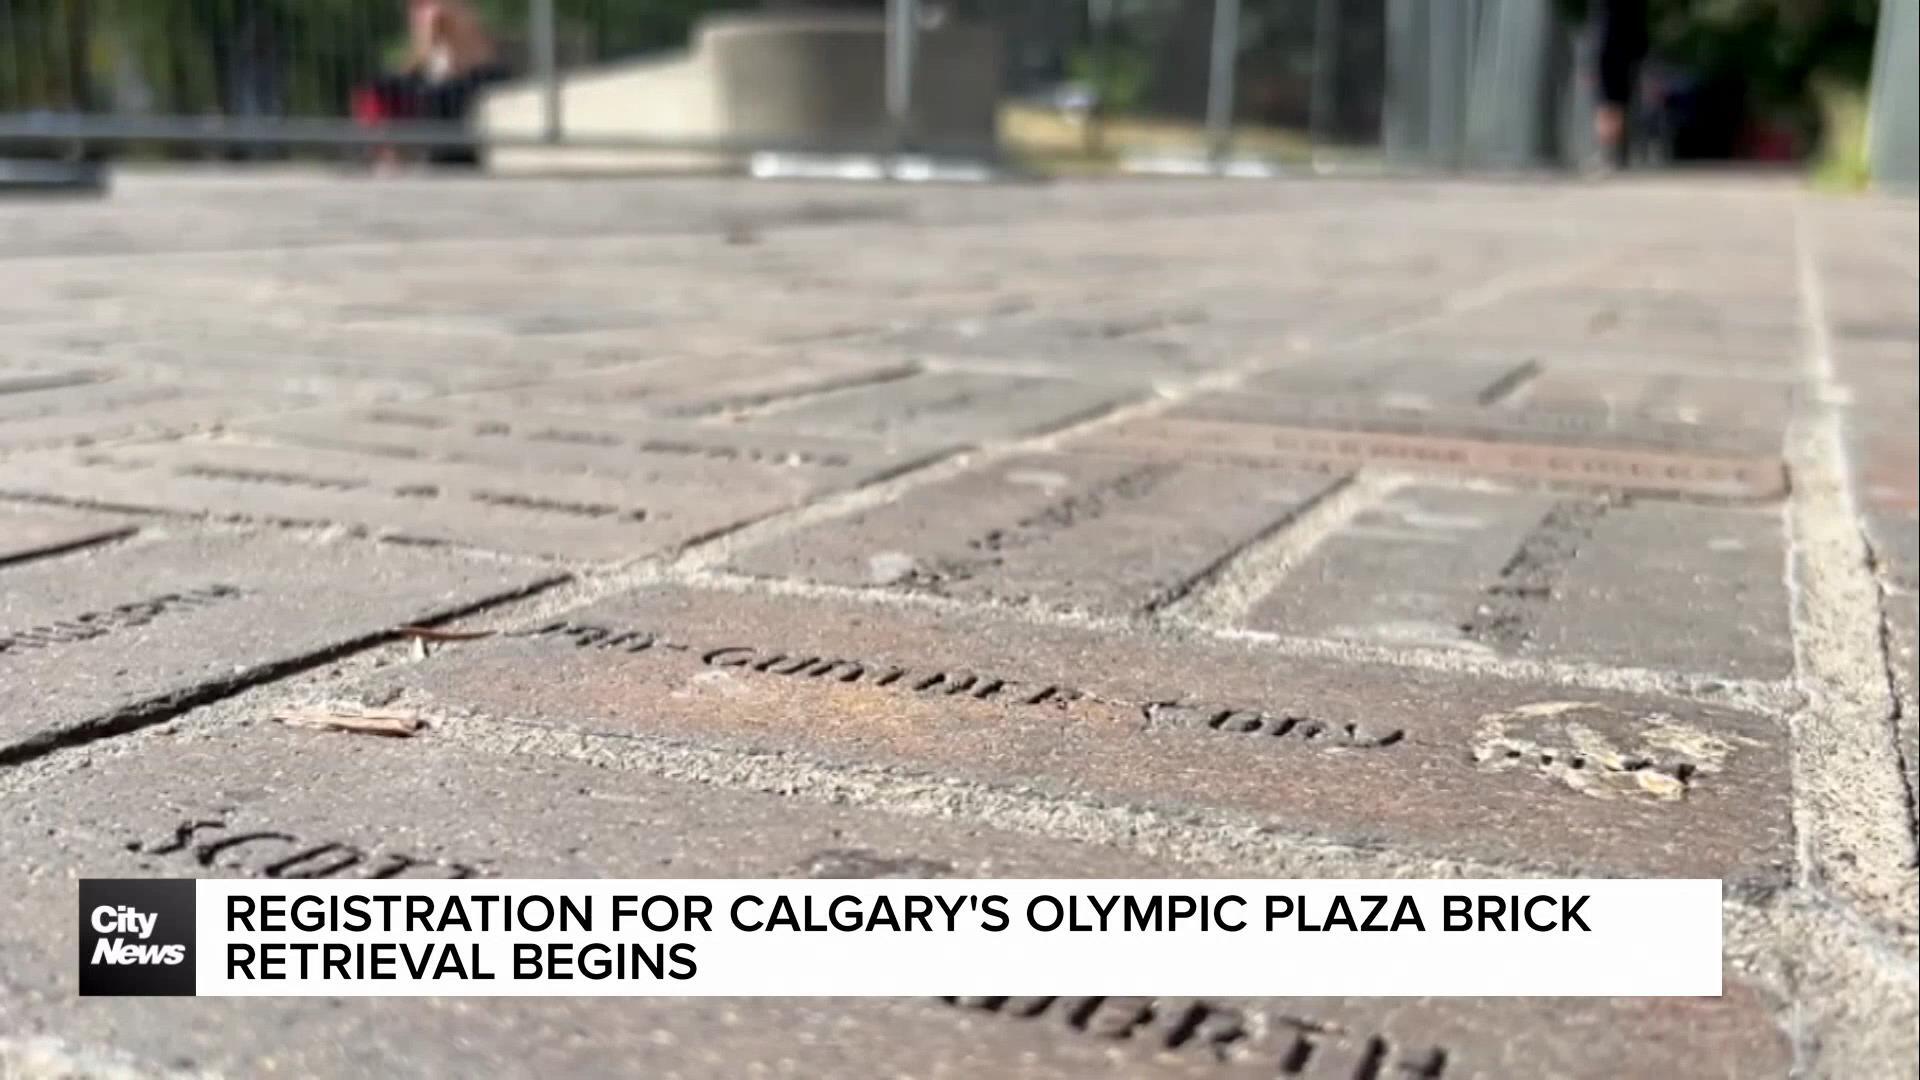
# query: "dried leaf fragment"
[429,633]
[389,723]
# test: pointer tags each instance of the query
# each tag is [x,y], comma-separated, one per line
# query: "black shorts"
[414,97]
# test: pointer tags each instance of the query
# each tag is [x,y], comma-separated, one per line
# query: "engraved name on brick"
[1215,1034]
[89,625]
[1172,714]
[214,844]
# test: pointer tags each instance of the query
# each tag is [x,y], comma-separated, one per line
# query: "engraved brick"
[1620,400]
[1418,445]
[315,371]
[570,514]
[228,341]
[1491,770]
[1136,344]
[105,634]
[1578,578]
[1408,380]
[741,460]
[50,413]
[951,406]
[264,800]
[1618,328]
[1585,423]
[694,386]
[1098,533]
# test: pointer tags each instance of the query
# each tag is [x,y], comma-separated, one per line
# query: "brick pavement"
[1132,529]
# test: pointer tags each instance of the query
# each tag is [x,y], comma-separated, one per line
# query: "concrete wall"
[782,78]
[1894,120]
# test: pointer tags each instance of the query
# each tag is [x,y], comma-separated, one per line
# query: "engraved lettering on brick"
[845,671]
[1294,727]
[183,835]
[866,863]
[267,476]
[785,456]
[1082,506]
[1509,383]
[950,683]
[576,438]
[400,419]
[583,636]
[1206,1033]
[746,453]
[1732,475]
[275,854]
[91,625]
[1078,508]
[209,854]
[593,510]
[1059,697]
[1531,576]
[323,861]
[503,499]
[1257,722]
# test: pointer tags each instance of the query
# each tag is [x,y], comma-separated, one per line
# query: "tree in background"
[292,57]
[1758,59]
[303,57]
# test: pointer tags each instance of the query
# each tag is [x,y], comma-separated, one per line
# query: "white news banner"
[899,937]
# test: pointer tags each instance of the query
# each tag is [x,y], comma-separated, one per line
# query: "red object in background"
[369,109]
[384,100]
[1770,142]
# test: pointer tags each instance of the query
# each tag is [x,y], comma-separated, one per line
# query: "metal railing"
[263,77]
[1183,84]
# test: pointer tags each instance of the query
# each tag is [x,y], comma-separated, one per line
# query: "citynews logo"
[136,937]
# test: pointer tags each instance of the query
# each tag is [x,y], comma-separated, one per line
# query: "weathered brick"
[1578,578]
[95,638]
[1533,774]
[258,799]
[1107,534]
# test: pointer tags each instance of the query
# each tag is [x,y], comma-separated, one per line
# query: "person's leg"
[383,100]
[1613,116]
[1622,33]
[452,103]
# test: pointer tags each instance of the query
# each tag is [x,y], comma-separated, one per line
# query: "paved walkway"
[1134,529]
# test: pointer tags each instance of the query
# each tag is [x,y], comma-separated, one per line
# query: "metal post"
[542,41]
[1100,30]
[1226,53]
[1326,70]
[1404,135]
[79,26]
[903,32]
[1450,30]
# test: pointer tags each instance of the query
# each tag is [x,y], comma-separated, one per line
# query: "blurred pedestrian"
[253,69]
[1621,35]
[450,57]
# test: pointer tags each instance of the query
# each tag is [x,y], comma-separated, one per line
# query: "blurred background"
[1254,87]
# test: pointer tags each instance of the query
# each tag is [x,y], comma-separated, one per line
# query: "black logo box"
[115,961]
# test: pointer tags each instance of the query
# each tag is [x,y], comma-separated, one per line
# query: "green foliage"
[321,48]
[1842,163]
[1117,73]
[1775,47]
